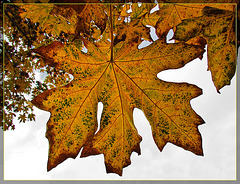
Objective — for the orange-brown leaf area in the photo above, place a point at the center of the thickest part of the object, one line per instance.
(113, 70)
(217, 26)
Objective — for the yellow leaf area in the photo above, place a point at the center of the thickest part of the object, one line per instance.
(217, 26)
(133, 15)
(170, 15)
(48, 20)
(122, 77)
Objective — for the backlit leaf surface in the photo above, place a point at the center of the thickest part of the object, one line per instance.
(48, 19)
(122, 78)
(113, 70)
(170, 15)
(217, 26)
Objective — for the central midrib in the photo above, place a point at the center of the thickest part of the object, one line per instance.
(111, 24)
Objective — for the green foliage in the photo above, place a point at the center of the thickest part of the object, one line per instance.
(21, 35)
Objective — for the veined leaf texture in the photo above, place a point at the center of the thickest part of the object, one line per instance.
(114, 71)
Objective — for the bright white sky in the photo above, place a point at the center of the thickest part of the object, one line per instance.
(26, 148)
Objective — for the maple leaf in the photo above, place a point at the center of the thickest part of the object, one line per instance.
(171, 14)
(217, 26)
(122, 77)
(128, 25)
(51, 20)
(72, 19)
(92, 15)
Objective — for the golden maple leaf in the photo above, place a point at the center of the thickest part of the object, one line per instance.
(172, 14)
(217, 26)
(122, 77)
(71, 19)
(47, 19)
